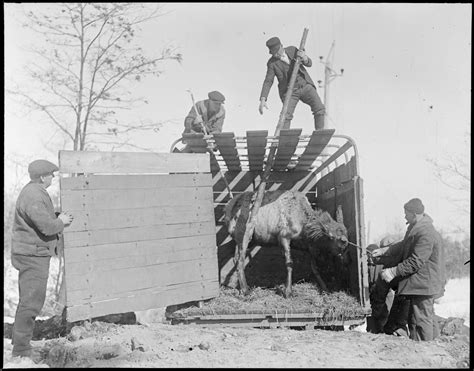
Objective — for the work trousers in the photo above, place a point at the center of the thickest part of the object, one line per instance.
(422, 323)
(307, 94)
(389, 310)
(33, 272)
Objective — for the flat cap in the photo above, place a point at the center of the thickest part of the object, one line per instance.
(41, 167)
(273, 44)
(216, 96)
(414, 206)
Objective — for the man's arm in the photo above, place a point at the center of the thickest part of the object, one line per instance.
(268, 82)
(37, 212)
(420, 255)
(192, 122)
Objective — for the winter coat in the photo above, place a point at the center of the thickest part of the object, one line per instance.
(212, 123)
(276, 67)
(421, 260)
(35, 225)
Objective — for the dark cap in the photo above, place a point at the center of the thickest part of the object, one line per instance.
(216, 96)
(273, 45)
(414, 206)
(40, 168)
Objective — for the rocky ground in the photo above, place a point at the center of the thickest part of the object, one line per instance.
(102, 344)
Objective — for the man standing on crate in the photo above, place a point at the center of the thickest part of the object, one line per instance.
(34, 241)
(206, 116)
(281, 65)
(420, 271)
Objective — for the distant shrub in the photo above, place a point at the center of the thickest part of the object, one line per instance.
(457, 253)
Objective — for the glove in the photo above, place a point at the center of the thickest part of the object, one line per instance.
(388, 274)
(263, 103)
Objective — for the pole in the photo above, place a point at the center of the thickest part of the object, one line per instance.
(250, 225)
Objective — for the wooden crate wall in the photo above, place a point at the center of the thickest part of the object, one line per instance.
(143, 234)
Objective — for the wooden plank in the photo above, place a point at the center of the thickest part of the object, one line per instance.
(131, 249)
(256, 146)
(136, 181)
(227, 147)
(318, 141)
(153, 232)
(114, 199)
(90, 220)
(161, 256)
(132, 162)
(100, 284)
(153, 298)
(287, 142)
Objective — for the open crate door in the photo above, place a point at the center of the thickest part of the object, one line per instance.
(143, 234)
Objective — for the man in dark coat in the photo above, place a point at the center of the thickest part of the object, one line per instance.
(420, 271)
(34, 241)
(281, 65)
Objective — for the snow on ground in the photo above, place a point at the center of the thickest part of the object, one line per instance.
(456, 300)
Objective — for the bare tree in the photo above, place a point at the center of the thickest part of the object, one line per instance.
(89, 57)
(454, 171)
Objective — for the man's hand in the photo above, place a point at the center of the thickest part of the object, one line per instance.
(388, 274)
(66, 218)
(263, 103)
(302, 55)
(377, 253)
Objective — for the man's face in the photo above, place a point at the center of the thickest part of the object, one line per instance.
(47, 180)
(214, 106)
(410, 217)
(279, 52)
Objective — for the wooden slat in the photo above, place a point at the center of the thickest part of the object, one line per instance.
(158, 256)
(152, 298)
(153, 232)
(134, 248)
(318, 141)
(136, 181)
(107, 284)
(227, 147)
(132, 162)
(256, 146)
(325, 183)
(90, 220)
(287, 142)
(100, 199)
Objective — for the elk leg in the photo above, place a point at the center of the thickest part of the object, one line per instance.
(315, 270)
(285, 243)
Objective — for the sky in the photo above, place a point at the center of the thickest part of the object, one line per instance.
(404, 96)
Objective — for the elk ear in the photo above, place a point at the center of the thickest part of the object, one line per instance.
(339, 215)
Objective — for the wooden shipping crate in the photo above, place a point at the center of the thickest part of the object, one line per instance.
(143, 234)
(323, 166)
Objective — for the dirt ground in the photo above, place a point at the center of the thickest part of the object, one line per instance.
(100, 344)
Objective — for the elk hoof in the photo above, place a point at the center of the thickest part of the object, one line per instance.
(287, 293)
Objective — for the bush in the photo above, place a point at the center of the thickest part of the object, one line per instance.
(457, 253)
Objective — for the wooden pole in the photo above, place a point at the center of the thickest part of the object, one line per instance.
(250, 226)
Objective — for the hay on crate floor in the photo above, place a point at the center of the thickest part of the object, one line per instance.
(306, 298)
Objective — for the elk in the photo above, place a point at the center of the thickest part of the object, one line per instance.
(286, 216)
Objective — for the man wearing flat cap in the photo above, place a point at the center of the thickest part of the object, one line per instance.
(210, 114)
(419, 270)
(281, 65)
(34, 241)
